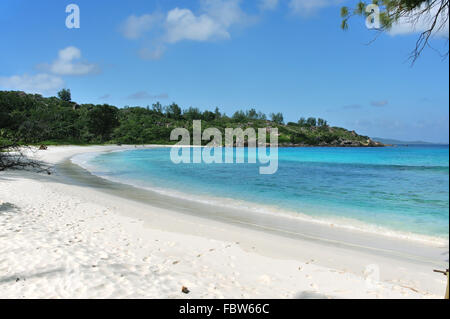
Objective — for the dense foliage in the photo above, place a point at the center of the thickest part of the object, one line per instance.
(33, 119)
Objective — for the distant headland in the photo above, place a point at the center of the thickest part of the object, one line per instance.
(399, 142)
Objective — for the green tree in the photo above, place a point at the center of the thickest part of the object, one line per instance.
(434, 13)
(252, 114)
(208, 116)
(302, 121)
(102, 120)
(157, 107)
(217, 113)
(311, 121)
(173, 111)
(262, 116)
(65, 95)
(277, 118)
(239, 116)
(321, 122)
(192, 113)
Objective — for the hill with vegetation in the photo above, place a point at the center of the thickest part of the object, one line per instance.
(34, 119)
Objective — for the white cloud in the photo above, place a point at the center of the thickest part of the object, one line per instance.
(135, 27)
(268, 4)
(213, 22)
(65, 64)
(308, 7)
(38, 83)
(225, 12)
(50, 77)
(152, 54)
(407, 25)
(182, 24)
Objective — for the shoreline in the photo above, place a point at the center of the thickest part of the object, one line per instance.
(252, 262)
(285, 225)
(346, 224)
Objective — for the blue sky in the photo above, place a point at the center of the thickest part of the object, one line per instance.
(287, 55)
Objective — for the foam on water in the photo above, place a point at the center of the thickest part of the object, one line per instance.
(401, 192)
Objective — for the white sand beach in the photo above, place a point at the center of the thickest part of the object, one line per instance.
(65, 239)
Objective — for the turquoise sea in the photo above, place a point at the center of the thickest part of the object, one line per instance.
(403, 189)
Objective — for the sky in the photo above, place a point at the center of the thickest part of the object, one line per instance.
(286, 56)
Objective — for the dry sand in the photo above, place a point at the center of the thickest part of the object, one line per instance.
(60, 239)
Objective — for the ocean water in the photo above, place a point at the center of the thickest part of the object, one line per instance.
(401, 189)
